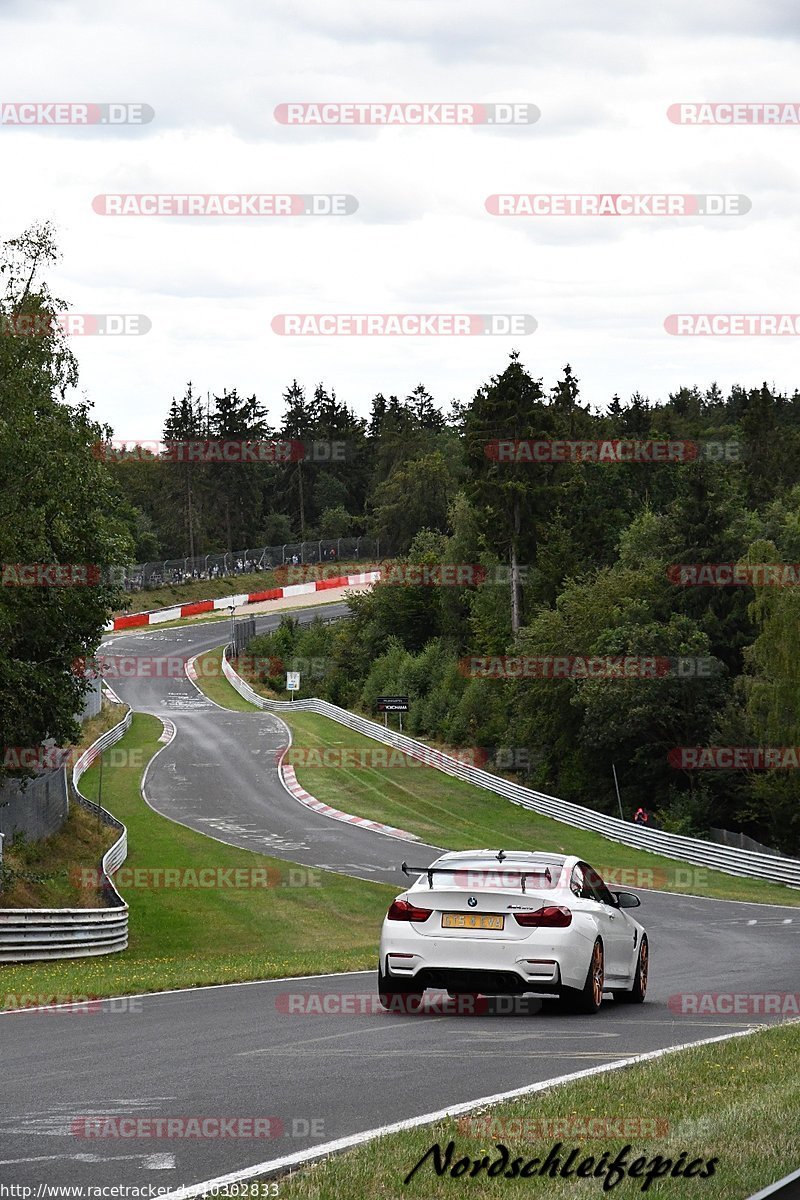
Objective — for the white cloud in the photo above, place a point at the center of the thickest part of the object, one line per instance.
(603, 77)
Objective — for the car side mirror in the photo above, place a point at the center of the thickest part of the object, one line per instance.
(626, 899)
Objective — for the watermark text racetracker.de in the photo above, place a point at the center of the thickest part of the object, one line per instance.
(611, 450)
(75, 324)
(195, 1128)
(55, 758)
(27, 113)
(415, 112)
(220, 450)
(740, 1004)
(733, 324)
(388, 758)
(200, 878)
(50, 575)
(575, 1125)
(403, 324)
(224, 204)
(430, 1004)
(734, 758)
(588, 666)
(734, 112)
(68, 1004)
(731, 574)
(615, 204)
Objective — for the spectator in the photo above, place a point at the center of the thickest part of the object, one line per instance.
(641, 817)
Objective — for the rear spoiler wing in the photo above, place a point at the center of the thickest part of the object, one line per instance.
(431, 871)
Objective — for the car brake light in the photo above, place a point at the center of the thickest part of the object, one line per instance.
(401, 910)
(555, 916)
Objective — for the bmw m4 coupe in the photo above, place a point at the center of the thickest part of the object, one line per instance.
(496, 923)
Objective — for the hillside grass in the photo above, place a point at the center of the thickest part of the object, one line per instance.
(448, 812)
(281, 921)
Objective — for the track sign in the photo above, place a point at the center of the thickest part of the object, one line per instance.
(392, 703)
(293, 681)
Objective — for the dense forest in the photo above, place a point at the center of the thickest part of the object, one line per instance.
(578, 558)
(345, 476)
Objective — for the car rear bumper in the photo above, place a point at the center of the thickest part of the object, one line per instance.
(473, 965)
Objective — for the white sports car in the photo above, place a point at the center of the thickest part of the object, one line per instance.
(497, 923)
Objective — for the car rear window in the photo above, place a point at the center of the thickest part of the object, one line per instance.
(539, 878)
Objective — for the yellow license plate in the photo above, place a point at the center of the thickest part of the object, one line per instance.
(472, 921)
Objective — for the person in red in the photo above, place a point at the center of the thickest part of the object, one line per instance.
(641, 816)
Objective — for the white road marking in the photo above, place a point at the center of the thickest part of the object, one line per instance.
(56, 1121)
(447, 1053)
(150, 1162)
(275, 1165)
(160, 1162)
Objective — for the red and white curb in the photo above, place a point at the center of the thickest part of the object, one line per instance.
(290, 783)
(169, 731)
(160, 615)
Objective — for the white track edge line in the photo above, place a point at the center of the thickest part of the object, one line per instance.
(273, 1166)
(202, 987)
(234, 845)
(343, 818)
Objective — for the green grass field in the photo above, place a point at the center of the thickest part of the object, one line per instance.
(185, 936)
(216, 686)
(448, 812)
(46, 874)
(731, 1102)
(42, 874)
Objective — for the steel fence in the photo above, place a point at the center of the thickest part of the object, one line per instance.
(247, 561)
(33, 934)
(35, 808)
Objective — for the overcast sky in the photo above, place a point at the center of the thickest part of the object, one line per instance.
(600, 288)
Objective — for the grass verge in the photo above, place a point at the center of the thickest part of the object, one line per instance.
(384, 786)
(183, 936)
(45, 874)
(42, 874)
(211, 681)
(457, 815)
(730, 1102)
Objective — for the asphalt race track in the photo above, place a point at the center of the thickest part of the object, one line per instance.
(219, 774)
(245, 1050)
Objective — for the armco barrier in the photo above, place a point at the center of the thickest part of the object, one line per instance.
(197, 607)
(746, 863)
(30, 934)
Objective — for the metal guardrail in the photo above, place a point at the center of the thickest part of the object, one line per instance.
(32, 934)
(745, 863)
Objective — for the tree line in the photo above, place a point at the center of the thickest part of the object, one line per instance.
(577, 558)
(343, 476)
